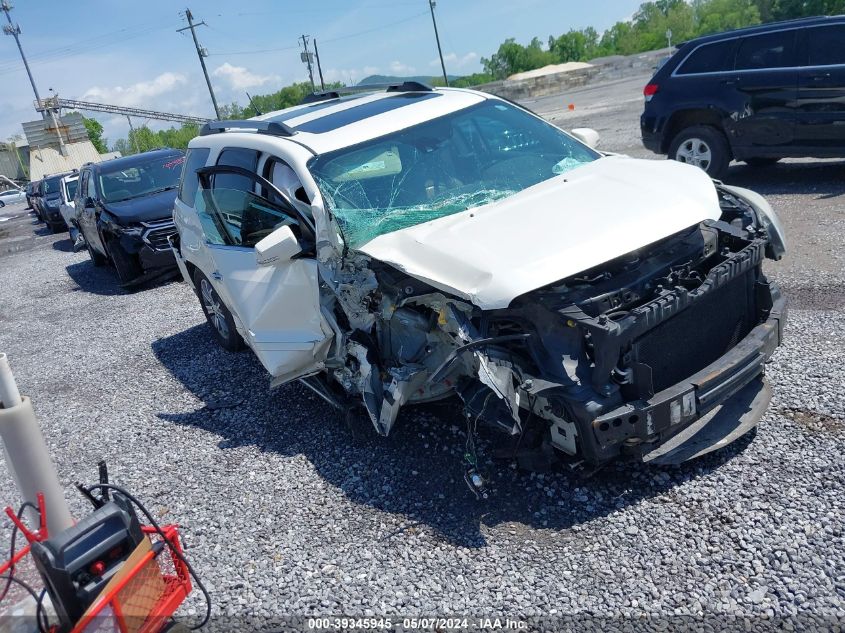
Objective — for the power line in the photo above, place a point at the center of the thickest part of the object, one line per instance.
(90, 44)
(201, 53)
(327, 41)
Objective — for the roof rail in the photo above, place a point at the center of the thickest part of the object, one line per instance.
(273, 128)
(336, 93)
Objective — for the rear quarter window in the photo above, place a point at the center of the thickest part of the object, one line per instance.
(709, 58)
(189, 183)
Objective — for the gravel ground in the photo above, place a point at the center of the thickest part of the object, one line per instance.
(289, 511)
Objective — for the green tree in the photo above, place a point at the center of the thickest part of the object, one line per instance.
(95, 134)
(575, 46)
(713, 16)
(515, 58)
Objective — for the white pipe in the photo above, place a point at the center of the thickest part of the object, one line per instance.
(9, 394)
(27, 456)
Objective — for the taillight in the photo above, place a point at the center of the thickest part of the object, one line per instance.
(650, 90)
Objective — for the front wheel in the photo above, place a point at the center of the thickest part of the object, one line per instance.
(217, 314)
(702, 146)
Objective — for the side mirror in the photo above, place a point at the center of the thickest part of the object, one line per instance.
(586, 135)
(277, 247)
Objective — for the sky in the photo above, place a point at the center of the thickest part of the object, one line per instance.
(130, 53)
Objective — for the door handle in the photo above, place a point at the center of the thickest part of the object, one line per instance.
(216, 275)
(730, 82)
(821, 77)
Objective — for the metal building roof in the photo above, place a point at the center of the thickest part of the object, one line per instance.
(44, 161)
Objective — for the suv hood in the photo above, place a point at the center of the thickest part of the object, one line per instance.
(143, 209)
(602, 210)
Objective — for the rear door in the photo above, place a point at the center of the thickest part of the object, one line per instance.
(820, 121)
(765, 80)
(278, 306)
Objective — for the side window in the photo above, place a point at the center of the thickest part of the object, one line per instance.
(826, 45)
(83, 177)
(230, 212)
(188, 183)
(709, 58)
(770, 50)
(236, 157)
(90, 187)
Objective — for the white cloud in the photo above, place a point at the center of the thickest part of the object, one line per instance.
(138, 94)
(240, 78)
(452, 61)
(398, 68)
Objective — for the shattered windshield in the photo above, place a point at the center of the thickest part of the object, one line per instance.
(441, 167)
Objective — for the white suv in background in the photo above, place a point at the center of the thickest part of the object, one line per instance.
(414, 244)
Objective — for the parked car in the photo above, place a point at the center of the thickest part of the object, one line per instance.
(12, 196)
(124, 211)
(756, 95)
(28, 192)
(410, 245)
(50, 202)
(35, 198)
(68, 210)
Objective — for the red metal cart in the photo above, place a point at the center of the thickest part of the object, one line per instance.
(143, 597)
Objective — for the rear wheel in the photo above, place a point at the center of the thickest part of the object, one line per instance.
(761, 161)
(702, 146)
(219, 318)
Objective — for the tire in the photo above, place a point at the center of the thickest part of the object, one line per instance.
(57, 228)
(761, 161)
(703, 146)
(96, 259)
(217, 314)
(127, 267)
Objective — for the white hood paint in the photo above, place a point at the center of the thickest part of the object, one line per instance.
(560, 227)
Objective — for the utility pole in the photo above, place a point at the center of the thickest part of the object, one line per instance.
(319, 68)
(15, 30)
(431, 5)
(201, 53)
(306, 57)
(133, 135)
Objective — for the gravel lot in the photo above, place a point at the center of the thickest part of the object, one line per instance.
(289, 511)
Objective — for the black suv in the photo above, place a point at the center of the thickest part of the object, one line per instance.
(124, 208)
(757, 95)
(49, 202)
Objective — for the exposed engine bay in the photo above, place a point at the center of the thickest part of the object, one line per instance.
(612, 361)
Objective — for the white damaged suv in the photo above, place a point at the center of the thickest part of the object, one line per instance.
(413, 244)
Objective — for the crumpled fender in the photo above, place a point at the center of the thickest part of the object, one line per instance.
(768, 218)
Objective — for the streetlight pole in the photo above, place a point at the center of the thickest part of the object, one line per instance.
(431, 4)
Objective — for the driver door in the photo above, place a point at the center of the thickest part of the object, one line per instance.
(277, 305)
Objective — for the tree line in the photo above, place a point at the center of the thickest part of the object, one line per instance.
(645, 31)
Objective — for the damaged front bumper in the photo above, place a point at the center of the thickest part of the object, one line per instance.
(701, 414)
